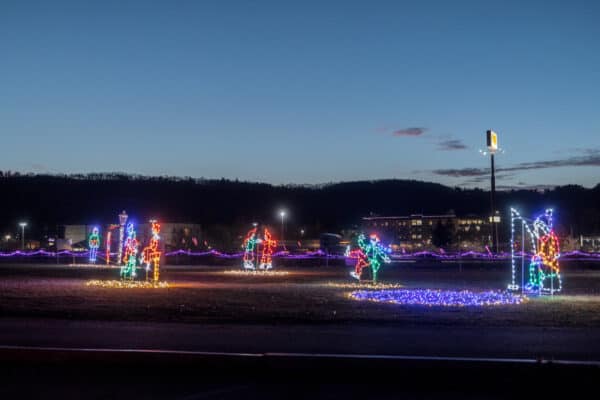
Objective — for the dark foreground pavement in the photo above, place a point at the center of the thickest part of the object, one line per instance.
(78, 374)
(114, 360)
(580, 344)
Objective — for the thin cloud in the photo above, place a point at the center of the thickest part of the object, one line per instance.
(591, 158)
(452, 144)
(461, 172)
(409, 132)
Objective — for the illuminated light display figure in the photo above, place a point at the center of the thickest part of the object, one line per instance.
(361, 260)
(268, 244)
(544, 269)
(151, 253)
(249, 246)
(371, 254)
(130, 256)
(108, 241)
(122, 221)
(94, 244)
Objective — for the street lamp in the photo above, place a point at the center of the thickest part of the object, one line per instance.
(22, 225)
(282, 214)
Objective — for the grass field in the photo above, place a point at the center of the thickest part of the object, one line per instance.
(309, 295)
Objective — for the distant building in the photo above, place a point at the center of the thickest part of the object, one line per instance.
(589, 243)
(173, 235)
(416, 231)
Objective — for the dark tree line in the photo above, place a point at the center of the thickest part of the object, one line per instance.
(46, 201)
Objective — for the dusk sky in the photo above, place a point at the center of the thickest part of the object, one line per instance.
(303, 91)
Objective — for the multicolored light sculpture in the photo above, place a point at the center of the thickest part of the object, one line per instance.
(94, 244)
(151, 253)
(108, 241)
(249, 247)
(268, 246)
(370, 253)
(544, 252)
(128, 271)
(122, 221)
(445, 298)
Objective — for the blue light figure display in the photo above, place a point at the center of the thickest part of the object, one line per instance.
(94, 244)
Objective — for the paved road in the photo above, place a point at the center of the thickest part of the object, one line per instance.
(35, 362)
(442, 341)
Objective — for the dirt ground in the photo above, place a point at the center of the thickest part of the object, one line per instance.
(309, 295)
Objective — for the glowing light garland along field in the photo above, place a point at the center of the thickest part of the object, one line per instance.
(444, 298)
(365, 285)
(572, 255)
(251, 272)
(123, 284)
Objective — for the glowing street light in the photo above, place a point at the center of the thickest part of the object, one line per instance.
(22, 225)
(282, 214)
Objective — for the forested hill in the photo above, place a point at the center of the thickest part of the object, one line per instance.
(47, 200)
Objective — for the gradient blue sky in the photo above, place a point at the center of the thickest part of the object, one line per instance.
(304, 91)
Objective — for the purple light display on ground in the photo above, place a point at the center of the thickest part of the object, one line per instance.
(442, 298)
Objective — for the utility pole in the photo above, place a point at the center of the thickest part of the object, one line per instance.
(492, 145)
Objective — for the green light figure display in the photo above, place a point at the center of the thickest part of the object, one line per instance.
(249, 245)
(130, 256)
(94, 244)
(375, 253)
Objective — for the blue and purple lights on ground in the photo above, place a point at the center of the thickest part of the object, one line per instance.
(443, 298)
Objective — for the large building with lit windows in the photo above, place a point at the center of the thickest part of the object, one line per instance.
(416, 231)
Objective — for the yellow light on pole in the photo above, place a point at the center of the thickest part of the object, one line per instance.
(492, 141)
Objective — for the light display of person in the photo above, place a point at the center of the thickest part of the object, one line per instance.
(249, 247)
(130, 254)
(544, 251)
(268, 246)
(151, 253)
(94, 244)
(370, 253)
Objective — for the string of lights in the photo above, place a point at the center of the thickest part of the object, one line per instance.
(250, 242)
(94, 244)
(443, 298)
(543, 254)
(127, 284)
(268, 246)
(130, 256)
(253, 272)
(151, 253)
(573, 255)
(370, 253)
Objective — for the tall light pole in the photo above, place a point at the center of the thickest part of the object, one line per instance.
(492, 145)
(22, 225)
(282, 214)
